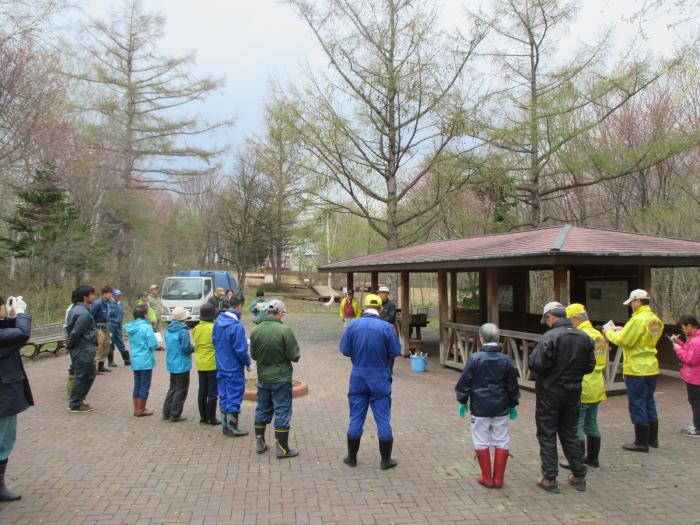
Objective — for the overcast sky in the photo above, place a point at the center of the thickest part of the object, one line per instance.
(251, 41)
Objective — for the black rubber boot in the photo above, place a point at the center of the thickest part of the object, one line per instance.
(232, 424)
(654, 434)
(260, 445)
(583, 451)
(353, 447)
(202, 406)
(385, 447)
(641, 439)
(282, 441)
(211, 412)
(593, 447)
(5, 493)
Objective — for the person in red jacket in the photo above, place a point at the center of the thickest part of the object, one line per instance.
(689, 354)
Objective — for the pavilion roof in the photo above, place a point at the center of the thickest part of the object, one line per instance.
(572, 245)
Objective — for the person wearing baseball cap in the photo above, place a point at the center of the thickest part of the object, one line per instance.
(560, 360)
(178, 360)
(640, 368)
(116, 318)
(592, 388)
(388, 312)
(274, 348)
(370, 343)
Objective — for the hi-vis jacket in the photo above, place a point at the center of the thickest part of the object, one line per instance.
(355, 307)
(638, 341)
(593, 385)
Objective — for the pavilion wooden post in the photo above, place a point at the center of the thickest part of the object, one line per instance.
(442, 313)
(561, 284)
(453, 297)
(405, 314)
(350, 281)
(492, 296)
(374, 276)
(645, 278)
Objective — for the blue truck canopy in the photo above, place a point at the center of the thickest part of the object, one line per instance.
(221, 279)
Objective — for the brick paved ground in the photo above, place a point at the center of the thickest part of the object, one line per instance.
(110, 467)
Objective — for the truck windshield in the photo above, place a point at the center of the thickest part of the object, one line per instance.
(182, 288)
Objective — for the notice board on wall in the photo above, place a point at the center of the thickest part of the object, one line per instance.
(604, 300)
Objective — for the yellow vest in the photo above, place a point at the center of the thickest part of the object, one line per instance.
(204, 346)
(593, 386)
(638, 341)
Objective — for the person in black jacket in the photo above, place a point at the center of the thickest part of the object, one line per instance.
(81, 342)
(560, 359)
(490, 381)
(15, 394)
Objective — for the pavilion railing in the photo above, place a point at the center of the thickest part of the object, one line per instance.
(463, 340)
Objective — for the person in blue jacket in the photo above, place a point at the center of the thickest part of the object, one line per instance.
(371, 344)
(116, 318)
(178, 358)
(231, 351)
(143, 344)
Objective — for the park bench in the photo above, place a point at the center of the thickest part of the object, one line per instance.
(45, 335)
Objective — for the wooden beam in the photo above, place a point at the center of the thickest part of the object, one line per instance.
(374, 276)
(453, 297)
(561, 284)
(442, 313)
(350, 281)
(492, 296)
(405, 313)
(645, 278)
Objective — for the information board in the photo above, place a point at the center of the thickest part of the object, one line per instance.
(604, 300)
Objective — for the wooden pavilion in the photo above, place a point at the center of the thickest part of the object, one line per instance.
(591, 266)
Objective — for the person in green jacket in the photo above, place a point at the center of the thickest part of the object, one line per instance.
(259, 306)
(274, 348)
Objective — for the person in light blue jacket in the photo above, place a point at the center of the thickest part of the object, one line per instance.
(142, 344)
(178, 358)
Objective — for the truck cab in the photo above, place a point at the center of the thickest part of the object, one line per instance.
(192, 289)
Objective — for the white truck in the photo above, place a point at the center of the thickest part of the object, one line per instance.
(191, 289)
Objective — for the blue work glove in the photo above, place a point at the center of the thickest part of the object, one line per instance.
(513, 413)
(462, 410)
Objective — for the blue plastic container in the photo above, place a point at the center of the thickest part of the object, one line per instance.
(418, 363)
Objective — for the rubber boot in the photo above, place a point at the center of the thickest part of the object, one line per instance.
(260, 445)
(641, 439)
(593, 447)
(500, 460)
(654, 434)
(353, 446)
(69, 386)
(282, 442)
(202, 405)
(232, 424)
(483, 456)
(385, 447)
(143, 411)
(101, 367)
(5, 493)
(225, 428)
(136, 406)
(582, 444)
(211, 412)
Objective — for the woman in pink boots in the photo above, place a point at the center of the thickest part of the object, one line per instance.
(489, 383)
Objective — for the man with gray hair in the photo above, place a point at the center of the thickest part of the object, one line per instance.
(560, 359)
(274, 348)
(490, 382)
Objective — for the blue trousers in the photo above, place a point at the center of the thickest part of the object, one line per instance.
(231, 386)
(274, 398)
(640, 397)
(142, 383)
(366, 390)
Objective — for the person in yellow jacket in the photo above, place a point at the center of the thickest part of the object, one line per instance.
(640, 367)
(592, 387)
(349, 308)
(205, 360)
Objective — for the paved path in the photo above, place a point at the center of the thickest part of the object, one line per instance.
(110, 467)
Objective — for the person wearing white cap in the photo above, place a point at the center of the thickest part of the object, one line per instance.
(640, 368)
(560, 359)
(156, 303)
(274, 348)
(388, 312)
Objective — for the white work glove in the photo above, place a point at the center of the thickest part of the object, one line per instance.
(20, 306)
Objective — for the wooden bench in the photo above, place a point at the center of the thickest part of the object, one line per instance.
(44, 335)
